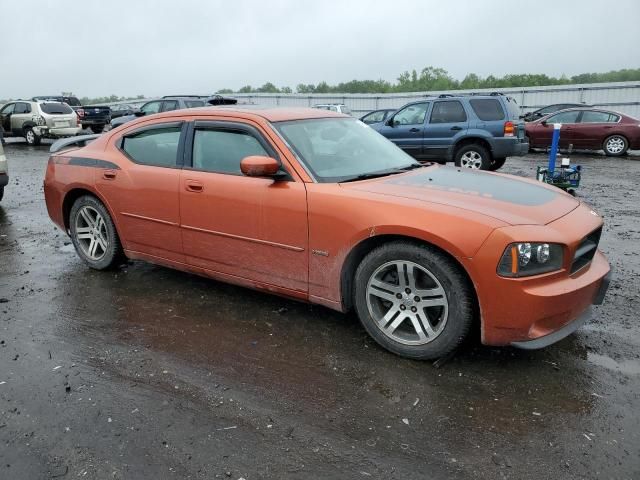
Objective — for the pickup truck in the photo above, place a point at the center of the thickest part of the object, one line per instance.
(94, 117)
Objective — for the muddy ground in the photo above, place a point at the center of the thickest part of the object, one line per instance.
(152, 373)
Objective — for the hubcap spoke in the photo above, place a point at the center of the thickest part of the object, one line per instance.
(91, 233)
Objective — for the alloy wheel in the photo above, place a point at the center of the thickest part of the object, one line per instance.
(407, 302)
(91, 233)
(471, 159)
(31, 137)
(615, 145)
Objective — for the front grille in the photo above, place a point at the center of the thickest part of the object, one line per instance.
(586, 250)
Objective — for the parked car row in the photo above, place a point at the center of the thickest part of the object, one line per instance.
(94, 117)
(38, 119)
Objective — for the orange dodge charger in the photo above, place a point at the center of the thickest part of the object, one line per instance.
(317, 206)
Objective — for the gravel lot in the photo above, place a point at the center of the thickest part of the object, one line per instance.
(152, 373)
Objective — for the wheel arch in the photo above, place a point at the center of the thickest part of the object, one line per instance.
(78, 191)
(471, 140)
(29, 124)
(362, 248)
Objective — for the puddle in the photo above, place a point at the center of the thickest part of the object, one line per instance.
(629, 367)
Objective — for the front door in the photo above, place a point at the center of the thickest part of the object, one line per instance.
(246, 227)
(447, 121)
(569, 121)
(5, 117)
(145, 195)
(406, 128)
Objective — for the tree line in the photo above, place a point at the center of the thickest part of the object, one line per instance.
(433, 78)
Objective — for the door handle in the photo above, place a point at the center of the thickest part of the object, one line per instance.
(192, 186)
(414, 130)
(109, 174)
(456, 128)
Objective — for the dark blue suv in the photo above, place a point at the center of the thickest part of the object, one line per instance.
(474, 131)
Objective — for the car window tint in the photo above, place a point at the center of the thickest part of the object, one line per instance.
(448, 112)
(158, 146)
(411, 115)
(193, 103)
(222, 150)
(169, 105)
(564, 117)
(374, 117)
(22, 108)
(7, 109)
(54, 108)
(598, 117)
(151, 107)
(487, 109)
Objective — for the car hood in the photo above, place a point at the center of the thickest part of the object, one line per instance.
(510, 199)
(116, 122)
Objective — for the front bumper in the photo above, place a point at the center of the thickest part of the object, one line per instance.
(57, 132)
(570, 327)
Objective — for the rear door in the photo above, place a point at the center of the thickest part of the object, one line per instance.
(245, 227)
(593, 128)
(447, 121)
(407, 128)
(145, 194)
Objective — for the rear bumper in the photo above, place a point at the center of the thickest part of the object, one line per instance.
(57, 132)
(509, 147)
(95, 121)
(570, 327)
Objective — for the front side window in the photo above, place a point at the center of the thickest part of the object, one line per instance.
(342, 149)
(221, 151)
(598, 117)
(7, 109)
(411, 115)
(487, 109)
(151, 107)
(564, 117)
(448, 112)
(156, 146)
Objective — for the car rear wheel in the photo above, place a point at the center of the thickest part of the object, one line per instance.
(497, 163)
(31, 137)
(97, 128)
(93, 233)
(413, 300)
(1, 193)
(473, 156)
(615, 145)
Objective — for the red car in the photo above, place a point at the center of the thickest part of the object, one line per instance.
(587, 128)
(317, 206)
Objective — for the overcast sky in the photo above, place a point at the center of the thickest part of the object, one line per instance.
(132, 47)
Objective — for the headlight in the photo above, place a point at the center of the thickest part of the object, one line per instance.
(530, 258)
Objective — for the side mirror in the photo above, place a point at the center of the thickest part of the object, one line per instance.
(139, 113)
(389, 123)
(259, 166)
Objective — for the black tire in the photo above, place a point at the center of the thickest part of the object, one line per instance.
(481, 156)
(113, 254)
(619, 141)
(458, 291)
(97, 128)
(1, 193)
(31, 137)
(497, 163)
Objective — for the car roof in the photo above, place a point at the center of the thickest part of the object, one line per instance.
(271, 114)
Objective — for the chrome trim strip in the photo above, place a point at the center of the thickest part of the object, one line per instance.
(247, 239)
(140, 217)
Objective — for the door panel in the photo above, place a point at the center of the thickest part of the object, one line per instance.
(447, 120)
(255, 228)
(408, 128)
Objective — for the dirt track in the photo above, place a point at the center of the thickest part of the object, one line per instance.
(152, 373)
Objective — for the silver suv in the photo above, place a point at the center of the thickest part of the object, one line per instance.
(37, 120)
(4, 171)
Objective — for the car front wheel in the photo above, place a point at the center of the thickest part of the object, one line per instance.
(413, 300)
(473, 156)
(615, 145)
(93, 233)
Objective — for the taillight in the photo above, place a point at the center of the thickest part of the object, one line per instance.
(80, 112)
(509, 129)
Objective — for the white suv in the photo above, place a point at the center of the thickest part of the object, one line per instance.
(334, 107)
(4, 171)
(37, 120)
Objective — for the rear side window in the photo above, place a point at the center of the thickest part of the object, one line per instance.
(22, 108)
(54, 108)
(487, 109)
(193, 103)
(448, 112)
(158, 146)
(222, 150)
(169, 105)
(598, 117)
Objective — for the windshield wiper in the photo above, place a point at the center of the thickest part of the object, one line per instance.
(382, 173)
(411, 166)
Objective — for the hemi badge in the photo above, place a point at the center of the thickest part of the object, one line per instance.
(322, 253)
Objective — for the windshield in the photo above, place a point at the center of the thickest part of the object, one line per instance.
(343, 149)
